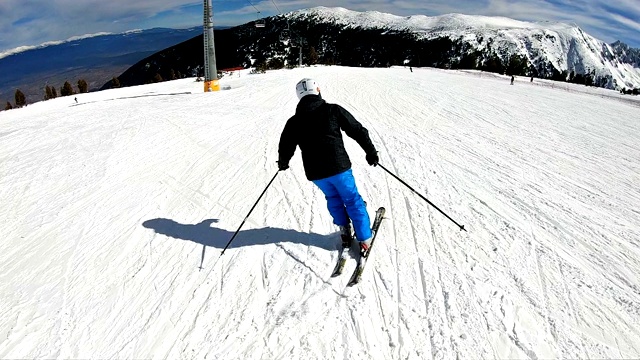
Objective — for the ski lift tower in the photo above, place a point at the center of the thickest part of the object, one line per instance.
(210, 71)
(288, 34)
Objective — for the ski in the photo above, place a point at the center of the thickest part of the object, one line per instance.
(342, 256)
(342, 260)
(362, 259)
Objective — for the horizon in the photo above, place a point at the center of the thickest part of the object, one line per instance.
(26, 30)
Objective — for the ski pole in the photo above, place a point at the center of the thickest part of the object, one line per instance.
(245, 218)
(423, 198)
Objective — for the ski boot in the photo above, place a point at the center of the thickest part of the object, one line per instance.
(346, 234)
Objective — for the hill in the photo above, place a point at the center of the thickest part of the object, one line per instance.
(111, 206)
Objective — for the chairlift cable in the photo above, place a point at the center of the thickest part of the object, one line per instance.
(253, 6)
(258, 23)
(274, 4)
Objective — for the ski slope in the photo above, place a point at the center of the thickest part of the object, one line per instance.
(110, 207)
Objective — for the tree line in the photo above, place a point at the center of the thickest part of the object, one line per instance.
(50, 92)
(324, 44)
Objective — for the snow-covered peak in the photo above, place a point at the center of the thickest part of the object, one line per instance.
(566, 47)
(454, 21)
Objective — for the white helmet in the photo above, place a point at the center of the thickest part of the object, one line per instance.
(307, 86)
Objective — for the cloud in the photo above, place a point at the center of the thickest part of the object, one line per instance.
(627, 22)
(61, 19)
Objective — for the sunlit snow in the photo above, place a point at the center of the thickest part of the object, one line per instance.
(110, 206)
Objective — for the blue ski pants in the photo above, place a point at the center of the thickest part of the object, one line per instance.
(343, 199)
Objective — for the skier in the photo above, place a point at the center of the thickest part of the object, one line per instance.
(512, 78)
(316, 127)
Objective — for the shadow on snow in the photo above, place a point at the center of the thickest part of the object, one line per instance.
(203, 233)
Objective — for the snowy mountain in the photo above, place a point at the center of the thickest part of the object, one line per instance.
(563, 47)
(627, 54)
(373, 39)
(110, 206)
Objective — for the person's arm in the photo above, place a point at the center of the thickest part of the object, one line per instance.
(354, 130)
(287, 146)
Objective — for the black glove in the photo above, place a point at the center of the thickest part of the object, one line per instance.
(282, 165)
(372, 159)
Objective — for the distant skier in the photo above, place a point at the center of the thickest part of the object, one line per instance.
(76, 99)
(512, 78)
(531, 79)
(316, 127)
(410, 68)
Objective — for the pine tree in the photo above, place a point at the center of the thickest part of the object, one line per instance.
(172, 74)
(54, 92)
(8, 106)
(115, 82)
(47, 93)
(469, 61)
(313, 56)
(328, 58)
(260, 66)
(83, 87)
(275, 64)
(493, 64)
(517, 65)
(20, 99)
(157, 78)
(67, 89)
(589, 78)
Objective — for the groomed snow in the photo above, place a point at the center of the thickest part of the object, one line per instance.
(110, 205)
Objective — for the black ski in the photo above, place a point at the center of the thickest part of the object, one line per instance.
(342, 260)
(362, 259)
(342, 256)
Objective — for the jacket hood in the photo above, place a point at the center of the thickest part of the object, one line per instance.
(309, 103)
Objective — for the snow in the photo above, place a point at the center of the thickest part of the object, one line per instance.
(423, 23)
(565, 46)
(112, 204)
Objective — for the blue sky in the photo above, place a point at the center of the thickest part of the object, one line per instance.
(32, 22)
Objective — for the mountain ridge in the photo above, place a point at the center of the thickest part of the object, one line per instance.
(552, 50)
(565, 46)
(95, 58)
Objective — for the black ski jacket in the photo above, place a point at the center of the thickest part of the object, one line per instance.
(316, 128)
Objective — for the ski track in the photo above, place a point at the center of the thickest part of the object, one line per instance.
(542, 178)
(399, 351)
